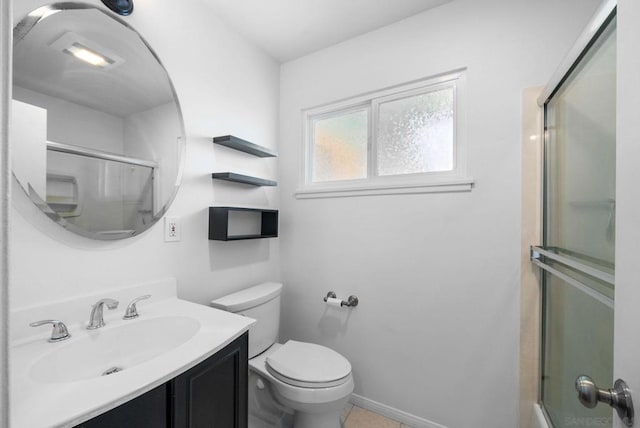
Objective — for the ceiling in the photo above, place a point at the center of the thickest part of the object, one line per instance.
(289, 29)
(137, 83)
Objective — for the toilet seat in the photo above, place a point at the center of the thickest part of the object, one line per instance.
(286, 392)
(308, 365)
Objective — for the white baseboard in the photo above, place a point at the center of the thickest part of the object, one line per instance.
(392, 413)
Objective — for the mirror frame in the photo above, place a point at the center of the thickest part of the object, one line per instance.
(21, 29)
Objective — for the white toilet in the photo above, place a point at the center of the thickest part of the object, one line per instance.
(310, 381)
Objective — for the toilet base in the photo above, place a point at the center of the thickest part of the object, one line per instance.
(256, 422)
(268, 409)
(311, 420)
(326, 415)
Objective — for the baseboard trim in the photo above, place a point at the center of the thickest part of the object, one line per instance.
(392, 413)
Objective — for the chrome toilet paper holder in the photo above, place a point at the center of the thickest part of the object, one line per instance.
(351, 301)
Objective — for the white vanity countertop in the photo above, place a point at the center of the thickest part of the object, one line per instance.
(37, 404)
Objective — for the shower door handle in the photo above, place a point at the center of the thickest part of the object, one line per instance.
(619, 397)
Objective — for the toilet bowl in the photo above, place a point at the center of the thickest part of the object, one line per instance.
(316, 404)
(309, 381)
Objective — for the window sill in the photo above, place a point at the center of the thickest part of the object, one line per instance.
(342, 191)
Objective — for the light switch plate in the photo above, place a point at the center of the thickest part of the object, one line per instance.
(171, 229)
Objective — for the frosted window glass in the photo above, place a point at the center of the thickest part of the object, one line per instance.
(340, 147)
(415, 134)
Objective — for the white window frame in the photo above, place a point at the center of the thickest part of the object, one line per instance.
(455, 180)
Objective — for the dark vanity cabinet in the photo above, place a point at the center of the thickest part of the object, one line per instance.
(149, 410)
(212, 394)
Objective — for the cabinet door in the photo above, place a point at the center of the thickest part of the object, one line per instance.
(214, 393)
(149, 410)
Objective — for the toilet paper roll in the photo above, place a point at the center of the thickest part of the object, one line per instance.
(332, 301)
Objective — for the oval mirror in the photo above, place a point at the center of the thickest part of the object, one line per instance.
(97, 128)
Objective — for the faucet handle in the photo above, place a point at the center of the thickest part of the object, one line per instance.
(132, 310)
(59, 331)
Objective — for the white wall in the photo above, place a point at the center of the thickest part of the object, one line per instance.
(437, 330)
(225, 86)
(71, 123)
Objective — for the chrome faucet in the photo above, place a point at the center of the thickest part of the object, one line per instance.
(59, 331)
(96, 319)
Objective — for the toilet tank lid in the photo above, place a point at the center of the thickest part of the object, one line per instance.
(249, 297)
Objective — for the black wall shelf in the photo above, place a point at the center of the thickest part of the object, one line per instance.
(245, 179)
(244, 146)
(219, 224)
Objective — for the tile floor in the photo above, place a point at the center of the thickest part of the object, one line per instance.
(357, 417)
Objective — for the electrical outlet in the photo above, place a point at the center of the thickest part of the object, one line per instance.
(171, 229)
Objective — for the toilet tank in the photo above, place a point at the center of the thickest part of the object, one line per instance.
(262, 303)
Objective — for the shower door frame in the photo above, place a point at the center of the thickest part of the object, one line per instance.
(627, 236)
(627, 312)
(626, 350)
(606, 13)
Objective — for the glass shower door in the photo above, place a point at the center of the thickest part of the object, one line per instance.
(578, 235)
(89, 191)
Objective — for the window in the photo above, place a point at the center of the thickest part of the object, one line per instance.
(340, 145)
(404, 139)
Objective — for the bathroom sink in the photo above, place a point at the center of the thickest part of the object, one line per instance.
(108, 351)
